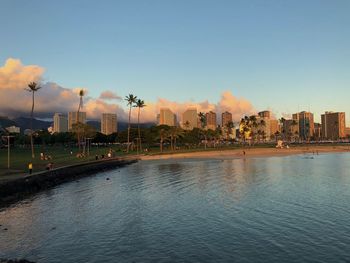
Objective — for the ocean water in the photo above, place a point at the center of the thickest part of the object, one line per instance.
(276, 209)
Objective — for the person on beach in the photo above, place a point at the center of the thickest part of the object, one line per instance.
(30, 168)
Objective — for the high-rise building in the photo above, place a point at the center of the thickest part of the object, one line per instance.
(109, 123)
(261, 129)
(73, 118)
(274, 127)
(333, 125)
(226, 117)
(190, 119)
(290, 129)
(60, 123)
(167, 117)
(306, 124)
(211, 120)
(265, 114)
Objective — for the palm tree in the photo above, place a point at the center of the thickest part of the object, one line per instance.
(229, 126)
(294, 124)
(282, 122)
(203, 121)
(32, 87)
(81, 95)
(176, 132)
(139, 104)
(131, 99)
(163, 134)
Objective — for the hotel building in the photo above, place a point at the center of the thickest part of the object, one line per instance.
(109, 123)
(60, 123)
(190, 119)
(73, 118)
(333, 125)
(306, 124)
(211, 120)
(167, 117)
(226, 117)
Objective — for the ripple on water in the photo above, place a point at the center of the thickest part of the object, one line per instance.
(276, 209)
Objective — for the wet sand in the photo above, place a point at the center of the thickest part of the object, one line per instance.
(249, 152)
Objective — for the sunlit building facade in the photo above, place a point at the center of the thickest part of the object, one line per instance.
(333, 125)
(109, 123)
(190, 119)
(73, 118)
(306, 124)
(167, 117)
(60, 123)
(226, 118)
(211, 120)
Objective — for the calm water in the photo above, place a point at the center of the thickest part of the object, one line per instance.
(288, 209)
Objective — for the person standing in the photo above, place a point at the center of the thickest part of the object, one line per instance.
(30, 168)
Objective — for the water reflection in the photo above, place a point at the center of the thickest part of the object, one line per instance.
(275, 209)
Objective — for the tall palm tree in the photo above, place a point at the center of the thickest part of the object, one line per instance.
(203, 121)
(139, 104)
(32, 87)
(80, 106)
(131, 99)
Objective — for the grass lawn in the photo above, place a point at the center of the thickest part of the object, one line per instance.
(60, 156)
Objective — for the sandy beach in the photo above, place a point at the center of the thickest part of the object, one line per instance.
(249, 152)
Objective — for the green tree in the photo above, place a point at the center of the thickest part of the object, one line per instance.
(131, 100)
(32, 87)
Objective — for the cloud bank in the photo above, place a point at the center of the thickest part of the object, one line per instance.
(51, 98)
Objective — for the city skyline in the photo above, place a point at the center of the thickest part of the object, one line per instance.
(165, 56)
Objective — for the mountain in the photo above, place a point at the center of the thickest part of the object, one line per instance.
(6, 122)
(122, 126)
(24, 123)
(95, 124)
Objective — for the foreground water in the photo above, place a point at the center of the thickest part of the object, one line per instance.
(290, 209)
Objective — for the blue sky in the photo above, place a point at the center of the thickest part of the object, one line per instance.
(282, 55)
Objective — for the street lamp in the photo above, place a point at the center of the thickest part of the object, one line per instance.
(8, 149)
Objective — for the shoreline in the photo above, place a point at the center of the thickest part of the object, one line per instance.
(249, 153)
(17, 189)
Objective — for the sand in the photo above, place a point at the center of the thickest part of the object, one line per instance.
(249, 152)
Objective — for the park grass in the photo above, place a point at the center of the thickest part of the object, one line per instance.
(60, 156)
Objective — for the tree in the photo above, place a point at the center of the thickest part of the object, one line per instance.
(163, 135)
(32, 87)
(131, 99)
(139, 104)
(229, 127)
(203, 121)
(83, 130)
(81, 95)
(175, 133)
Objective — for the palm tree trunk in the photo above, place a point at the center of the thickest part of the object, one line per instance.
(31, 128)
(78, 127)
(138, 127)
(127, 149)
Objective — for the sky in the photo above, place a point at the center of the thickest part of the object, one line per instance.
(285, 56)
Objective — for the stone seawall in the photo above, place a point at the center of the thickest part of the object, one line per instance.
(18, 189)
